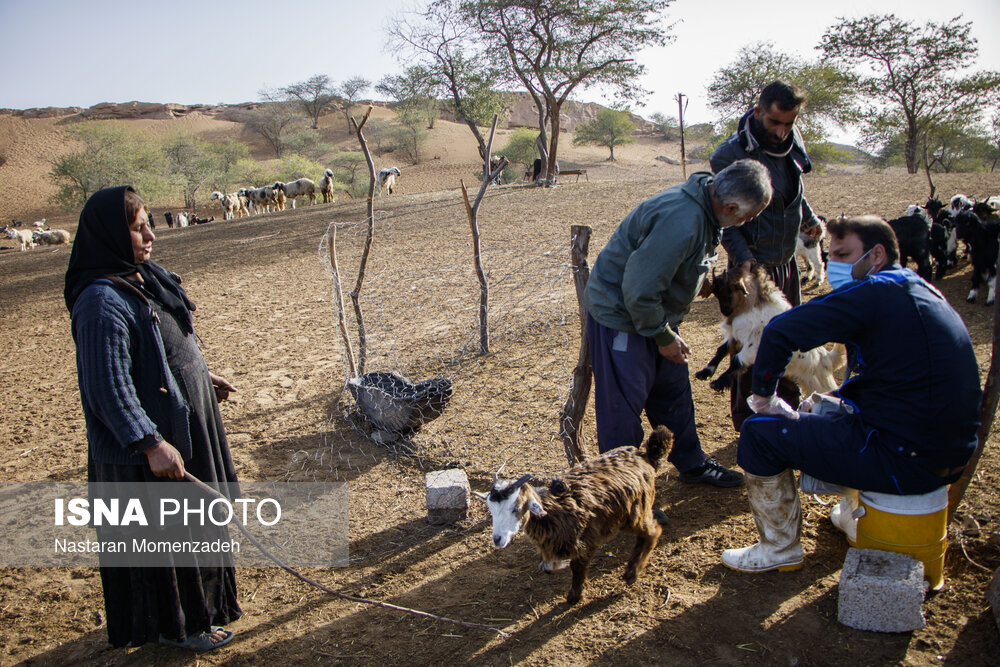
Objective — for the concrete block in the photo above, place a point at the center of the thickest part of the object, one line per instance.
(881, 591)
(447, 495)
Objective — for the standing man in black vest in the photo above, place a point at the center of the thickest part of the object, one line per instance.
(767, 133)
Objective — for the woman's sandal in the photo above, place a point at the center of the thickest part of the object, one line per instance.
(202, 641)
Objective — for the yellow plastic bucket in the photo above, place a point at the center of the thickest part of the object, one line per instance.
(916, 525)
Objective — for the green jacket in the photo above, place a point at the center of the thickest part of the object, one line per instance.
(651, 269)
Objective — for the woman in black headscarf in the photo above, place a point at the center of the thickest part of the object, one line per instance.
(151, 407)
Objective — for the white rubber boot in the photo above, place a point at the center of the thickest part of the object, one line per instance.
(774, 502)
(842, 516)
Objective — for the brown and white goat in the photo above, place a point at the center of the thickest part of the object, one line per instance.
(748, 301)
(583, 509)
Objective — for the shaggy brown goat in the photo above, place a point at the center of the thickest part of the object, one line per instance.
(585, 508)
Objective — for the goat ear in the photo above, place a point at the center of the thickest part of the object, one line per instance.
(484, 496)
(535, 508)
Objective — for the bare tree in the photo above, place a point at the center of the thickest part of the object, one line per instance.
(447, 49)
(315, 95)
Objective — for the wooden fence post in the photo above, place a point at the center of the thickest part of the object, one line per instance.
(576, 403)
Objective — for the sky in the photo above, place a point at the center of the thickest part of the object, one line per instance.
(82, 52)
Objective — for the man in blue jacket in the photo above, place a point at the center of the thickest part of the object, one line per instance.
(642, 285)
(910, 404)
(767, 133)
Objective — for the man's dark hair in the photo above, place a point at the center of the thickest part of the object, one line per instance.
(871, 230)
(787, 95)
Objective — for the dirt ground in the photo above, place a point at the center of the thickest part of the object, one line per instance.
(266, 323)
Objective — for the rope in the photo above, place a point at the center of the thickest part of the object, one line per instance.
(378, 603)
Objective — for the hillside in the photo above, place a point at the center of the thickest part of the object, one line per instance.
(31, 139)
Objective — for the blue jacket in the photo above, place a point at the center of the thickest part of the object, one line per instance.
(648, 274)
(130, 398)
(914, 378)
(770, 237)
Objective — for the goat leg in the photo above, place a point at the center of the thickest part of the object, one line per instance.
(709, 370)
(578, 566)
(644, 545)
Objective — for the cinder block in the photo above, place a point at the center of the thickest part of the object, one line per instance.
(881, 591)
(447, 495)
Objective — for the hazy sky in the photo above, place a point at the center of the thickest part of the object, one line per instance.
(81, 52)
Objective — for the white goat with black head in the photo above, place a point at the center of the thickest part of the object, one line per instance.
(583, 509)
(386, 179)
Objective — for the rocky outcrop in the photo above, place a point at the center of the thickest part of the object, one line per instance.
(44, 112)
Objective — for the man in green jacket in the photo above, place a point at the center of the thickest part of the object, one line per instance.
(639, 291)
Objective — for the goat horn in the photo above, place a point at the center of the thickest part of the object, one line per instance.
(520, 482)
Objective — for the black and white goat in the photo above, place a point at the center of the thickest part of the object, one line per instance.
(913, 232)
(748, 301)
(809, 246)
(583, 509)
(980, 228)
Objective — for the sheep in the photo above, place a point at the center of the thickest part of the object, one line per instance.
(326, 187)
(979, 228)
(809, 246)
(40, 224)
(585, 508)
(51, 236)
(748, 301)
(261, 198)
(913, 234)
(230, 203)
(22, 237)
(303, 187)
(386, 179)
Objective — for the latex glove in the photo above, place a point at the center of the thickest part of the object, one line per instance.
(771, 405)
(807, 403)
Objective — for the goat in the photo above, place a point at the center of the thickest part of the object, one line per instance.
(809, 246)
(959, 203)
(913, 234)
(979, 228)
(748, 301)
(583, 509)
(50, 236)
(303, 187)
(386, 179)
(181, 219)
(40, 224)
(22, 236)
(326, 186)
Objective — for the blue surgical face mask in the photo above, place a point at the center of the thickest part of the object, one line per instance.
(839, 273)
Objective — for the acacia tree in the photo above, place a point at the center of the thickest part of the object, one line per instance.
(447, 49)
(553, 48)
(609, 128)
(911, 72)
(272, 121)
(315, 95)
(830, 90)
(413, 91)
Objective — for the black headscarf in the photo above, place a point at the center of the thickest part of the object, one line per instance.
(103, 248)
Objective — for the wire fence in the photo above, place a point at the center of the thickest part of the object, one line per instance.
(426, 393)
